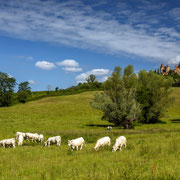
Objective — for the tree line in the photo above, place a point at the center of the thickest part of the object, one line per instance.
(125, 99)
(24, 94)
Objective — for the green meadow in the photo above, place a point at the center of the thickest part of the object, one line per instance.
(153, 150)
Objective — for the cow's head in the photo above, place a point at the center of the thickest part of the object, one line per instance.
(114, 149)
(69, 142)
(45, 144)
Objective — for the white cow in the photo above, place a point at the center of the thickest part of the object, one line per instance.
(102, 142)
(32, 136)
(75, 143)
(8, 143)
(20, 133)
(20, 140)
(41, 138)
(109, 128)
(120, 142)
(53, 140)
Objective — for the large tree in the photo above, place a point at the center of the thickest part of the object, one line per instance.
(117, 102)
(7, 84)
(128, 97)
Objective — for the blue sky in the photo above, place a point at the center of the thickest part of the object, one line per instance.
(59, 43)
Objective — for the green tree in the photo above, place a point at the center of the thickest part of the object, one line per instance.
(153, 95)
(7, 85)
(118, 102)
(24, 91)
(56, 89)
(91, 79)
(24, 86)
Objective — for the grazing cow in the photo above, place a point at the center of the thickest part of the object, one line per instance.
(120, 142)
(102, 142)
(41, 138)
(20, 133)
(8, 143)
(53, 140)
(20, 140)
(32, 136)
(75, 143)
(109, 128)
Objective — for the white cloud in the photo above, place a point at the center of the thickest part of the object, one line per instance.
(26, 57)
(72, 69)
(174, 61)
(32, 82)
(78, 25)
(45, 65)
(97, 72)
(81, 77)
(103, 79)
(175, 13)
(68, 63)
(10, 76)
(30, 58)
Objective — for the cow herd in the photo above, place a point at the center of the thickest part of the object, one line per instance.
(74, 143)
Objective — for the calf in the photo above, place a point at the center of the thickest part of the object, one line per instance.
(75, 143)
(120, 142)
(53, 140)
(102, 142)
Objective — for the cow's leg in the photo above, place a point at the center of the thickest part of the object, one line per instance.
(81, 146)
(77, 148)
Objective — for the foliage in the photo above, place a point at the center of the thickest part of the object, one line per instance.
(154, 95)
(7, 85)
(24, 91)
(56, 89)
(127, 98)
(24, 86)
(176, 78)
(91, 79)
(118, 101)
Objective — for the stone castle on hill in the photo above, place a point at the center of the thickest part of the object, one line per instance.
(165, 70)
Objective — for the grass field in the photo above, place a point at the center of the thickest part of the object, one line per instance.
(153, 151)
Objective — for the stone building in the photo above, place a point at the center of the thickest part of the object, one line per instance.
(166, 69)
(177, 69)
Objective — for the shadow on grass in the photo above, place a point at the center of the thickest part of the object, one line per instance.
(158, 122)
(175, 120)
(100, 125)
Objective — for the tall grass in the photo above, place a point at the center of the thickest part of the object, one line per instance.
(153, 151)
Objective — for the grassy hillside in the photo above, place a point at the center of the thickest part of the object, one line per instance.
(153, 151)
